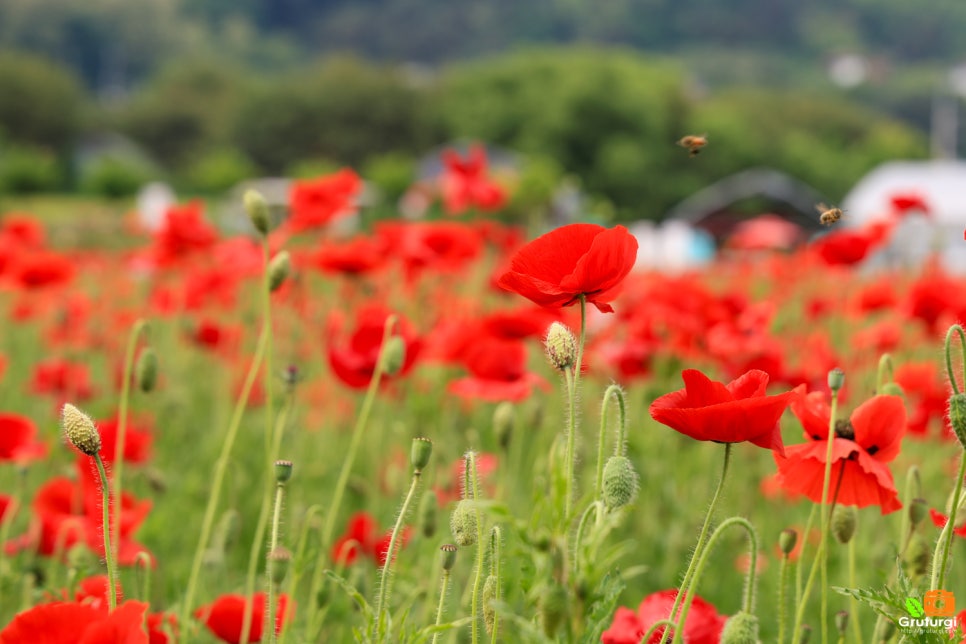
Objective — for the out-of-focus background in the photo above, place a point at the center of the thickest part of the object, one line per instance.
(100, 98)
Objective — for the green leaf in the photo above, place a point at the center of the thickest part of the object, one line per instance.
(602, 611)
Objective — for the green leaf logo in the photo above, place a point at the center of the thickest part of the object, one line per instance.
(914, 606)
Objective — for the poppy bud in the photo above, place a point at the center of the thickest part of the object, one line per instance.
(463, 523)
(283, 471)
(620, 482)
(80, 557)
(449, 555)
(489, 594)
(553, 608)
(257, 209)
(915, 559)
(278, 563)
(787, 540)
(428, 509)
(503, 417)
(836, 378)
(278, 270)
(844, 519)
(957, 416)
(393, 355)
(741, 628)
(561, 347)
(918, 509)
(80, 430)
(419, 455)
(146, 370)
(842, 621)
(892, 389)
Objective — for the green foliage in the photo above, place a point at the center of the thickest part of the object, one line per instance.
(219, 170)
(26, 169)
(392, 173)
(40, 103)
(114, 177)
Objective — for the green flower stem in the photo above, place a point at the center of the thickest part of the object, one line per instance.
(885, 372)
(221, 467)
(299, 559)
(442, 603)
(385, 580)
(656, 625)
(480, 546)
(701, 540)
(573, 386)
(940, 558)
(614, 391)
(949, 357)
(751, 581)
(801, 554)
(254, 555)
(106, 525)
(495, 539)
(118, 469)
(597, 508)
(13, 508)
(273, 544)
(782, 597)
(825, 516)
(910, 493)
(143, 563)
(853, 602)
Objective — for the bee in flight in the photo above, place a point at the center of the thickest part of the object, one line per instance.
(694, 143)
(828, 215)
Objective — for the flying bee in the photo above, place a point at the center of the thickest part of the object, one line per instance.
(828, 215)
(694, 143)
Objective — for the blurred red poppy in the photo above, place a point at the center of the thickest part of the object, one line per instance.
(711, 411)
(498, 371)
(465, 184)
(863, 445)
(940, 520)
(361, 538)
(555, 269)
(18, 442)
(353, 359)
(224, 617)
(703, 624)
(80, 623)
(184, 231)
(317, 202)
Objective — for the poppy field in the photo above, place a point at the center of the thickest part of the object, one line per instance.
(459, 430)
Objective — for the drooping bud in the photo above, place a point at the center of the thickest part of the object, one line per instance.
(741, 628)
(427, 513)
(561, 347)
(503, 420)
(957, 416)
(419, 455)
(463, 523)
(844, 520)
(787, 541)
(80, 430)
(620, 483)
(836, 378)
(918, 509)
(892, 389)
(278, 270)
(146, 370)
(278, 564)
(257, 209)
(915, 559)
(393, 355)
(842, 622)
(490, 592)
(553, 608)
(449, 555)
(283, 471)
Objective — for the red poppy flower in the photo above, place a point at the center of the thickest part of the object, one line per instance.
(95, 591)
(317, 202)
(703, 625)
(82, 623)
(498, 371)
(18, 442)
(357, 256)
(224, 616)
(42, 268)
(711, 411)
(927, 394)
(847, 247)
(908, 202)
(464, 183)
(863, 445)
(361, 538)
(940, 520)
(354, 360)
(23, 228)
(159, 625)
(183, 232)
(137, 442)
(441, 246)
(62, 379)
(555, 269)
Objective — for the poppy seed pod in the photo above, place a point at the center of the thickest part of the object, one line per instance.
(741, 628)
(561, 347)
(146, 370)
(842, 621)
(278, 270)
(80, 430)
(836, 379)
(419, 455)
(918, 509)
(283, 471)
(844, 520)
(278, 564)
(449, 555)
(787, 541)
(463, 524)
(620, 483)
(257, 209)
(957, 417)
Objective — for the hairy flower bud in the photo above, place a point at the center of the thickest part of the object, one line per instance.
(892, 389)
(787, 541)
(503, 419)
(278, 270)
(393, 355)
(620, 483)
(957, 416)
(844, 520)
(918, 509)
(257, 209)
(463, 523)
(146, 370)
(561, 346)
(741, 628)
(80, 430)
(490, 592)
(915, 559)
